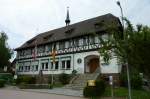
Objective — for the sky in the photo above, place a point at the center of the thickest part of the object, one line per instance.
(23, 19)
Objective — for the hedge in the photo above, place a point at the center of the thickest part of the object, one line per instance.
(2, 83)
(95, 91)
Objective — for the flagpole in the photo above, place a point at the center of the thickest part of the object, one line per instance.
(53, 56)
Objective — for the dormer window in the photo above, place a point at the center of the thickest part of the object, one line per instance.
(47, 37)
(99, 24)
(31, 41)
(68, 31)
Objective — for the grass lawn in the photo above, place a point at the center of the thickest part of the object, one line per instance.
(123, 92)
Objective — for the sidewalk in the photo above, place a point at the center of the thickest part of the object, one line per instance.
(58, 91)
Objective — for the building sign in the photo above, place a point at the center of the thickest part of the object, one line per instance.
(111, 80)
(91, 83)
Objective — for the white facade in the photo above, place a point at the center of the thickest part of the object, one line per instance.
(68, 58)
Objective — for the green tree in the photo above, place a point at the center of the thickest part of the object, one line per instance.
(5, 52)
(130, 46)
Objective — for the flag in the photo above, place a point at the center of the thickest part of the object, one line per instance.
(54, 53)
(34, 52)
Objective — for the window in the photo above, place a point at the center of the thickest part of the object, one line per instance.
(46, 65)
(70, 44)
(42, 66)
(20, 68)
(41, 49)
(49, 48)
(76, 42)
(56, 65)
(61, 45)
(63, 64)
(22, 53)
(84, 41)
(52, 66)
(68, 64)
(92, 39)
(36, 67)
(26, 68)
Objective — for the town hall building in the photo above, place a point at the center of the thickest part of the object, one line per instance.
(76, 48)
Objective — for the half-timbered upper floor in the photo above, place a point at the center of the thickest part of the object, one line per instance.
(78, 37)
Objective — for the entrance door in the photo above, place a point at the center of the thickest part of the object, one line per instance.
(93, 64)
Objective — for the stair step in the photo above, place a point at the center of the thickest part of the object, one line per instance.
(81, 81)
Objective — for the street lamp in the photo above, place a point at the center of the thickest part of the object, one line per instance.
(126, 62)
(118, 3)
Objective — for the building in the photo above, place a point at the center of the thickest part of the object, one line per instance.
(76, 48)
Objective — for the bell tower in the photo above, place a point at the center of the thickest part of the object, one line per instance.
(67, 21)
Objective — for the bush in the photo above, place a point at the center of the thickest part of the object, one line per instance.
(74, 72)
(136, 80)
(95, 91)
(64, 78)
(2, 83)
(7, 77)
(25, 80)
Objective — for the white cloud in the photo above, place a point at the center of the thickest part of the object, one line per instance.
(23, 19)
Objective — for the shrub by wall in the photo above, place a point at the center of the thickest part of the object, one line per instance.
(25, 80)
(136, 80)
(64, 78)
(8, 77)
(95, 91)
(2, 83)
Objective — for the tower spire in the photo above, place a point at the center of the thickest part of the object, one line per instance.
(67, 21)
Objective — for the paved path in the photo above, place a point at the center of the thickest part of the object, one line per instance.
(58, 91)
(14, 94)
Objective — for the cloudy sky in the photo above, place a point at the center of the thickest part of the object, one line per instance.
(23, 19)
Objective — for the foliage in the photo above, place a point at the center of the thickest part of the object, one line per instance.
(50, 79)
(131, 46)
(64, 78)
(95, 91)
(136, 80)
(7, 77)
(5, 52)
(25, 80)
(89, 91)
(74, 72)
(123, 92)
(2, 83)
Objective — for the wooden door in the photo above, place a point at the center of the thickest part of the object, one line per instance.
(93, 64)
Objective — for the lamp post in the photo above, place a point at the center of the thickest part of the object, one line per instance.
(126, 62)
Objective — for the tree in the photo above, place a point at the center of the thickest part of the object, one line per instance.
(5, 52)
(132, 47)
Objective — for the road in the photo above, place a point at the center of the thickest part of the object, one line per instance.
(13, 94)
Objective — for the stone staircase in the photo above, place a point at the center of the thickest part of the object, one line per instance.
(80, 81)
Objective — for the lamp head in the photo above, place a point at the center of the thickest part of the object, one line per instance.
(118, 3)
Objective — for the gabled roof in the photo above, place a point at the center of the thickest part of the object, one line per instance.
(71, 31)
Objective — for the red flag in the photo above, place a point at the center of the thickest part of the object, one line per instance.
(54, 53)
